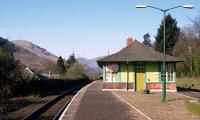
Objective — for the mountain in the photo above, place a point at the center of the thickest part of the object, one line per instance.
(37, 58)
(41, 52)
(91, 64)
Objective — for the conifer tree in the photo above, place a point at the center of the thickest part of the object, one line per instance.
(172, 32)
(72, 59)
(147, 40)
(61, 65)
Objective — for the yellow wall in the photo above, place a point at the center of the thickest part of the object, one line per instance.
(124, 72)
(152, 74)
(131, 73)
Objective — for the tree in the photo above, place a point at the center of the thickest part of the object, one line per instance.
(172, 32)
(76, 71)
(10, 71)
(184, 49)
(71, 60)
(60, 65)
(147, 40)
(196, 62)
(187, 48)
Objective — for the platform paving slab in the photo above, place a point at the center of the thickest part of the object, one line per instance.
(94, 104)
(173, 109)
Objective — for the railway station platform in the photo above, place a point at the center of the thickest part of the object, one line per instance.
(91, 103)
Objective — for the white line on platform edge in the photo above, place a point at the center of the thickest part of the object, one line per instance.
(132, 106)
(195, 92)
(63, 114)
(188, 96)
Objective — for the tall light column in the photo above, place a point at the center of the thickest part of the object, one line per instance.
(163, 98)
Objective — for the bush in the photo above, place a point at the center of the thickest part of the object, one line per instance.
(76, 71)
(188, 82)
(93, 75)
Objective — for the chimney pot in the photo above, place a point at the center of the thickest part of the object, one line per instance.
(129, 41)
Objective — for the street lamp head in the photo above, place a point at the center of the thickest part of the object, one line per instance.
(141, 6)
(188, 6)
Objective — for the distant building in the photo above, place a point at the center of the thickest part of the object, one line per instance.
(137, 67)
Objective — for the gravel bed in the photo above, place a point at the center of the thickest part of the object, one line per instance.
(20, 113)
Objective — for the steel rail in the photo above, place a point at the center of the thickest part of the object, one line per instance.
(50, 103)
(57, 116)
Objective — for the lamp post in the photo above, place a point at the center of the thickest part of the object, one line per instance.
(163, 98)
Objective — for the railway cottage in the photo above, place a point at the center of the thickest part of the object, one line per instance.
(137, 67)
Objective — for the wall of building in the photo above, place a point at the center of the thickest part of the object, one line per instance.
(120, 85)
(152, 77)
(123, 72)
(152, 72)
(158, 86)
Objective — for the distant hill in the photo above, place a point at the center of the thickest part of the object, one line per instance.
(39, 59)
(91, 64)
(31, 55)
(41, 52)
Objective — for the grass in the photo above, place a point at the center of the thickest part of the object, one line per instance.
(16, 103)
(193, 107)
(188, 82)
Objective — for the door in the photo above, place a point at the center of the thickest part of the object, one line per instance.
(139, 79)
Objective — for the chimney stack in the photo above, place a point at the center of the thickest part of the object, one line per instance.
(129, 41)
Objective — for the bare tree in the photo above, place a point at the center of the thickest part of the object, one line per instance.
(188, 44)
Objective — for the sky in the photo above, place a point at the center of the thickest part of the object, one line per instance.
(89, 28)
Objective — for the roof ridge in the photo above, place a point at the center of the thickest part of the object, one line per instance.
(137, 51)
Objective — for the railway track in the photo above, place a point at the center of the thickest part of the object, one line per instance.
(54, 108)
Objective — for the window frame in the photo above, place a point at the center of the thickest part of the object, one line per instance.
(111, 73)
(139, 65)
(167, 72)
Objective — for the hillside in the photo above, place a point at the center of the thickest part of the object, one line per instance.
(41, 52)
(91, 64)
(36, 58)
(40, 59)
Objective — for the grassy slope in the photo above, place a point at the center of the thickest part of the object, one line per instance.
(193, 107)
(188, 82)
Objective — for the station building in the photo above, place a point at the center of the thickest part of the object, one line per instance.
(137, 67)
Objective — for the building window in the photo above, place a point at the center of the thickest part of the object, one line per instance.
(112, 73)
(112, 77)
(139, 65)
(169, 69)
(108, 77)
